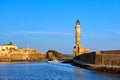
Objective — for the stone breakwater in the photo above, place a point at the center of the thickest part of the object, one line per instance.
(103, 68)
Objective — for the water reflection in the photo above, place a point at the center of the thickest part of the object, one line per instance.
(47, 71)
(94, 75)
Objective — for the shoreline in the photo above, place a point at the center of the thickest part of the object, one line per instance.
(21, 61)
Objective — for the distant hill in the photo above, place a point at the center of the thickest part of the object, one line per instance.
(57, 54)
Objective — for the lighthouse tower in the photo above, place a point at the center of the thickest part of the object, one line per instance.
(77, 34)
(77, 39)
(78, 49)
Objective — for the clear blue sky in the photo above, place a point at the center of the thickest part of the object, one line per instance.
(50, 24)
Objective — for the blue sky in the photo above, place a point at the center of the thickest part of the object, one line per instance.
(50, 24)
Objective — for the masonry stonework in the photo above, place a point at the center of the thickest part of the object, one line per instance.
(111, 58)
(10, 52)
(78, 49)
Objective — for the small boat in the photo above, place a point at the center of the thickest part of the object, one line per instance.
(54, 60)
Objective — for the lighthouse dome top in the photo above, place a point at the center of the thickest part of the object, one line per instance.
(78, 22)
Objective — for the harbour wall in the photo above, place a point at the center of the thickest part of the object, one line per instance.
(111, 57)
(106, 61)
(22, 57)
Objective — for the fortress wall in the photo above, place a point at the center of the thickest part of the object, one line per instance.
(4, 58)
(87, 58)
(37, 57)
(22, 57)
(115, 52)
(111, 57)
(27, 57)
(19, 57)
(101, 58)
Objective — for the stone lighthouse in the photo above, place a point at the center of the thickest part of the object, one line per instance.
(78, 49)
(77, 34)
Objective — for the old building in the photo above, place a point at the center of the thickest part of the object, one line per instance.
(13, 49)
(10, 52)
(6, 48)
(78, 49)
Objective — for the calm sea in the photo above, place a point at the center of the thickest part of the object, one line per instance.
(48, 71)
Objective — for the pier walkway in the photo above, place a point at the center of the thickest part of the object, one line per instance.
(104, 68)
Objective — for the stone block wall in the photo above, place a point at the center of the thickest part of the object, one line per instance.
(5, 58)
(111, 58)
(22, 57)
(87, 58)
(19, 57)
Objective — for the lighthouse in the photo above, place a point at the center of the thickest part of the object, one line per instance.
(78, 49)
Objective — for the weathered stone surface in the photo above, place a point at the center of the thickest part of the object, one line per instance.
(111, 58)
(78, 49)
(88, 58)
(103, 68)
(22, 57)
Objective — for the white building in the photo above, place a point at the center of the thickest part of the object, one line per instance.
(4, 49)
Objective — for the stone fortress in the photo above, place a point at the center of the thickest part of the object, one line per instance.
(110, 57)
(10, 52)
